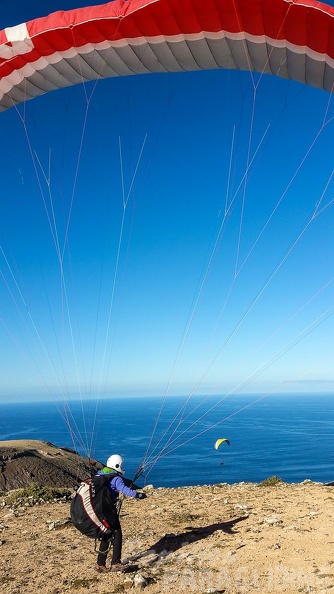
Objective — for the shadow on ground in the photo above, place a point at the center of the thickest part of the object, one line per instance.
(173, 542)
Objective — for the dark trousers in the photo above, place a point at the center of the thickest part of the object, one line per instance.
(116, 540)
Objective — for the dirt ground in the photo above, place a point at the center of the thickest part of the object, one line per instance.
(223, 538)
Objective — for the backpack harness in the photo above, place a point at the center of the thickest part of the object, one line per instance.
(93, 507)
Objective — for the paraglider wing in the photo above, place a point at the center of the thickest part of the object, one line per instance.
(287, 39)
(220, 441)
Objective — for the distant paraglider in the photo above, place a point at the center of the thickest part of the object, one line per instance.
(220, 441)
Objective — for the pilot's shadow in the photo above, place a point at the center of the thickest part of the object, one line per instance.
(170, 543)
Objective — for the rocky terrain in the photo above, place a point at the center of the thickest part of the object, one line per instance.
(233, 539)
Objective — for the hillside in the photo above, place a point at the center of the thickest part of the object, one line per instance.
(25, 461)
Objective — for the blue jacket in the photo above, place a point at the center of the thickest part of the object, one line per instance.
(117, 485)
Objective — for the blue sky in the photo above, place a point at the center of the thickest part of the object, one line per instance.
(166, 294)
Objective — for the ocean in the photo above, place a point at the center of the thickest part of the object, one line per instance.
(290, 436)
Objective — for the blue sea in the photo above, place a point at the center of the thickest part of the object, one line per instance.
(290, 436)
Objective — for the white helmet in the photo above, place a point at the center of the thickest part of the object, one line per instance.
(115, 462)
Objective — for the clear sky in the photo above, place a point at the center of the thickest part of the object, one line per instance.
(196, 246)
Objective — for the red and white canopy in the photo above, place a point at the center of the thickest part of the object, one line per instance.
(292, 39)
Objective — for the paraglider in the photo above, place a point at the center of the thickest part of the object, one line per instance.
(143, 37)
(220, 441)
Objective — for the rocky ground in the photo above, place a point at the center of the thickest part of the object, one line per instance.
(222, 538)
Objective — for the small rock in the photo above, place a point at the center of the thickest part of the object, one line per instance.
(272, 521)
(10, 515)
(58, 524)
(128, 583)
(148, 488)
(139, 581)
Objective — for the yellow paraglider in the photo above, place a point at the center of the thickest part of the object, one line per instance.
(220, 441)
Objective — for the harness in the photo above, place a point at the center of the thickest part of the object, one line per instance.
(93, 509)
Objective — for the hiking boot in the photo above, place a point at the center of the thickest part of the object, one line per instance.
(102, 569)
(117, 567)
